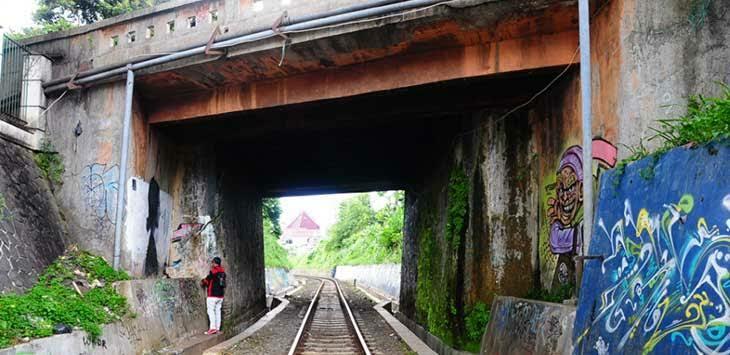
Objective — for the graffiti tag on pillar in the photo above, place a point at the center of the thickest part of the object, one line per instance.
(100, 184)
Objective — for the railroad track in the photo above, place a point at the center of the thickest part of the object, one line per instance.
(328, 326)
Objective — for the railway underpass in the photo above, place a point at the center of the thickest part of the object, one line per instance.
(471, 107)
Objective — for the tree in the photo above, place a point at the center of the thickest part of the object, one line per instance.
(272, 211)
(82, 12)
(59, 15)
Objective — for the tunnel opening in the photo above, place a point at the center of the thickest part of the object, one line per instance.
(471, 177)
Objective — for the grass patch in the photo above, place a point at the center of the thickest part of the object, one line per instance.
(476, 321)
(707, 119)
(50, 163)
(54, 300)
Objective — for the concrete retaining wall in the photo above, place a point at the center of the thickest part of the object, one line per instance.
(385, 277)
(520, 326)
(278, 279)
(166, 309)
(662, 228)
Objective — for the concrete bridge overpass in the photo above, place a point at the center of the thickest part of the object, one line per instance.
(434, 96)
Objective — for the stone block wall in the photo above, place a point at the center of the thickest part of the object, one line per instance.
(32, 231)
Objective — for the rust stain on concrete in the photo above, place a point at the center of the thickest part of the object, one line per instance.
(386, 74)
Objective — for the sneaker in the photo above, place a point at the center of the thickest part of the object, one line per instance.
(210, 332)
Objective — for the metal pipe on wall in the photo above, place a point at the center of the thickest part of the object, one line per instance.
(122, 185)
(360, 6)
(585, 86)
(306, 25)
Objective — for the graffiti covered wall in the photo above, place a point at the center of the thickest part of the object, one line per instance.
(663, 229)
(562, 236)
(147, 228)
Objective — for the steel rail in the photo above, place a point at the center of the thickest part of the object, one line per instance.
(343, 300)
(310, 314)
(307, 318)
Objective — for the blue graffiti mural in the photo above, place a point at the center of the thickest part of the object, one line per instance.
(663, 284)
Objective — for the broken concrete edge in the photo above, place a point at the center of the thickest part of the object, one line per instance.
(431, 340)
(268, 317)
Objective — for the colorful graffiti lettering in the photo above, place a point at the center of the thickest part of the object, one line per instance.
(669, 280)
(100, 184)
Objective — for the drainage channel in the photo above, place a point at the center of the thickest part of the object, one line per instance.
(329, 326)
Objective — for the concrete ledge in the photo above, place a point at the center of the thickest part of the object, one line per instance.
(520, 326)
(222, 347)
(431, 340)
(406, 334)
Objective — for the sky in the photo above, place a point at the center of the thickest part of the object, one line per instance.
(322, 208)
(16, 14)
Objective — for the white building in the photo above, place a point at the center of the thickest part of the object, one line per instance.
(301, 235)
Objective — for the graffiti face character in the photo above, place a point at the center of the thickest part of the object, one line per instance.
(564, 210)
(569, 190)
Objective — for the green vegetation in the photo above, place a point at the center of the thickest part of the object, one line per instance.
(557, 295)
(59, 15)
(274, 254)
(437, 271)
(476, 321)
(3, 207)
(699, 11)
(458, 206)
(50, 163)
(55, 300)
(361, 235)
(707, 119)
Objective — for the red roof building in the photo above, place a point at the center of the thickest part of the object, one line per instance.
(301, 235)
(303, 221)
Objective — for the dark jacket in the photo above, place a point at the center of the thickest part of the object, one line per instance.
(215, 282)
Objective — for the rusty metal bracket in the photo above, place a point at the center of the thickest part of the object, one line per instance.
(276, 27)
(211, 40)
(71, 85)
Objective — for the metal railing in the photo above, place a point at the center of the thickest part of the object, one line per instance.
(13, 59)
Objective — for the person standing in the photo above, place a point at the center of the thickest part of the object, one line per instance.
(215, 283)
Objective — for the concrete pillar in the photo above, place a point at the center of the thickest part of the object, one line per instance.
(36, 70)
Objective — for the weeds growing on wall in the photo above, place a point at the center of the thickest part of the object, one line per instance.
(477, 317)
(50, 163)
(437, 272)
(458, 207)
(699, 10)
(3, 207)
(54, 300)
(707, 119)
(557, 295)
